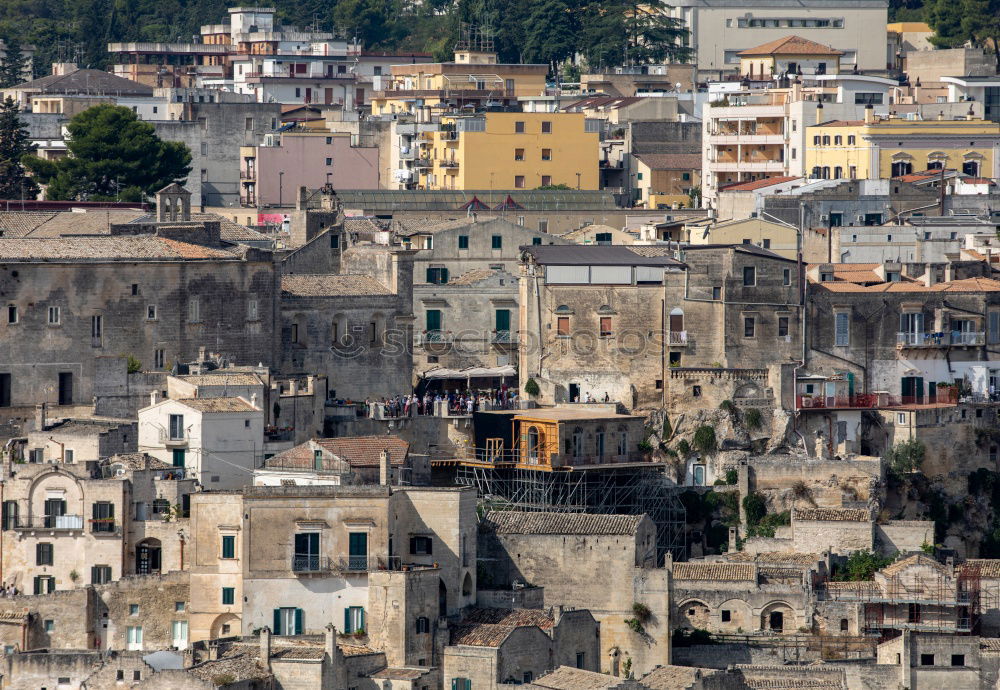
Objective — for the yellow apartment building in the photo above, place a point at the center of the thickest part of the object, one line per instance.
(474, 78)
(510, 150)
(879, 148)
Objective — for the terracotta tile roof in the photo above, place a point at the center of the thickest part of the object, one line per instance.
(103, 249)
(978, 180)
(481, 634)
(647, 250)
(858, 277)
(390, 673)
(356, 650)
(357, 451)
(473, 276)
(242, 662)
(757, 184)
(841, 123)
(774, 558)
(137, 461)
(19, 615)
(957, 286)
(983, 567)
(90, 222)
(20, 223)
(512, 617)
(990, 643)
(791, 45)
(863, 587)
(832, 514)
(298, 652)
(517, 522)
(917, 559)
(331, 285)
(240, 378)
(671, 161)
(793, 683)
(675, 677)
(722, 572)
(218, 405)
(85, 81)
(229, 230)
(570, 678)
(365, 225)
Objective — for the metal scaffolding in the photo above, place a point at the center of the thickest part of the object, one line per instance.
(632, 489)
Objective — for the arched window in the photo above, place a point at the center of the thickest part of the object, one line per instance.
(533, 444)
(843, 625)
(826, 172)
(622, 441)
(577, 442)
(599, 438)
(423, 625)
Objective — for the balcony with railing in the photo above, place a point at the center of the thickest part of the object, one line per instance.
(51, 522)
(943, 395)
(173, 438)
(504, 338)
(447, 163)
(108, 527)
(678, 338)
(940, 339)
(311, 564)
(433, 338)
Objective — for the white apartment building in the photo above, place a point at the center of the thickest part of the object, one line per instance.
(720, 29)
(218, 441)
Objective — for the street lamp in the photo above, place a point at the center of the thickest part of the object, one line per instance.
(281, 181)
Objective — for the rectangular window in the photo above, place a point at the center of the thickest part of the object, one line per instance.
(519, 127)
(11, 313)
(496, 242)
(463, 241)
(44, 584)
(958, 660)
(354, 619)
(228, 596)
(546, 154)
(606, 326)
(96, 329)
(926, 659)
(151, 312)
(248, 124)
(253, 307)
(176, 423)
(50, 626)
(519, 154)
(158, 358)
(229, 546)
(43, 553)
(421, 546)
(54, 316)
(716, 293)
(194, 310)
(103, 516)
(749, 275)
(518, 181)
(786, 276)
(749, 325)
(842, 329)
(133, 609)
(133, 636)
(100, 574)
(546, 180)
(179, 606)
(562, 326)
(546, 127)
(782, 326)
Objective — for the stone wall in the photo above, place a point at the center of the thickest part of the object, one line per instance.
(841, 537)
(71, 613)
(161, 600)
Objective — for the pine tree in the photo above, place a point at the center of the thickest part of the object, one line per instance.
(14, 145)
(12, 63)
(112, 154)
(550, 33)
(945, 17)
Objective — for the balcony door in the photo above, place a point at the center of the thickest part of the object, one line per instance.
(358, 551)
(306, 551)
(913, 389)
(55, 508)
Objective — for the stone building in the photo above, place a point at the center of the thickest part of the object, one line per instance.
(262, 556)
(354, 327)
(491, 647)
(468, 321)
(77, 440)
(343, 460)
(156, 292)
(910, 339)
(560, 552)
(70, 525)
(622, 319)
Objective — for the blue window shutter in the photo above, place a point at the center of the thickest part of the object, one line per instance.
(299, 627)
(277, 622)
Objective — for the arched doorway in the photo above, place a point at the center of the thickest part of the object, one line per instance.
(442, 599)
(467, 585)
(147, 557)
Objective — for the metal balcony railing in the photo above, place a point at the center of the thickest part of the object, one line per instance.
(941, 339)
(53, 522)
(103, 526)
(678, 338)
(167, 436)
(310, 563)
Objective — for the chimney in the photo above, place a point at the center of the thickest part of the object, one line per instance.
(330, 640)
(154, 397)
(61, 69)
(940, 114)
(40, 416)
(971, 115)
(201, 353)
(253, 400)
(265, 647)
(732, 540)
(384, 471)
(869, 114)
(819, 113)
(302, 199)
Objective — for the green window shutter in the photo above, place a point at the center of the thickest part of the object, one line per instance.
(229, 547)
(299, 623)
(52, 585)
(347, 620)
(277, 622)
(454, 684)
(363, 623)
(431, 275)
(38, 585)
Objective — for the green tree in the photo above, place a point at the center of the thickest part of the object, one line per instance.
(14, 146)
(550, 33)
(14, 62)
(861, 565)
(755, 508)
(615, 32)
(945, 17)
(112, 154)
(375, 22)
(906, 456)
(981, 23)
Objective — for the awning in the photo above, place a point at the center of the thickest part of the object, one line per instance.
(471, 372)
